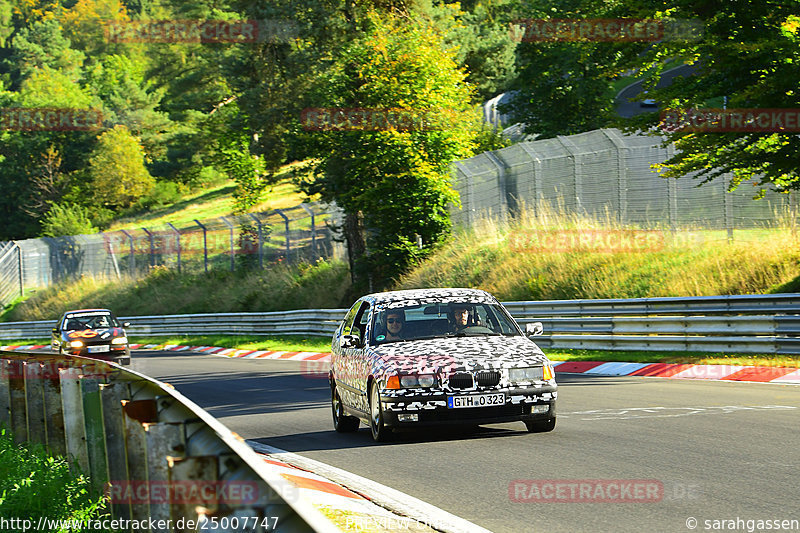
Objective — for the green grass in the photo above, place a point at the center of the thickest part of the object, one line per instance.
(295, 343)
(35, 484)
(164, 291)
(285, 343)
(213, 201)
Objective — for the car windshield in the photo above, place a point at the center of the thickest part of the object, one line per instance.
(77, 321)
(445, 319)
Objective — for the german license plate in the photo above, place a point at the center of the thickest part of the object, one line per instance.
(476, 400)
(98, 349)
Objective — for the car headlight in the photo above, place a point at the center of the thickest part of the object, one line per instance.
(533, 373)
(75, 344)
(120, 340)
(417, 380)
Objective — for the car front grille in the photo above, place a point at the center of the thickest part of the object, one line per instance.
(461, 380)
(487, 378)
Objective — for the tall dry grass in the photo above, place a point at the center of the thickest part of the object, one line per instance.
(516, 262)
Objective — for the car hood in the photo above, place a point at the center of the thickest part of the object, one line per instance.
(459, 353)
(94, 334)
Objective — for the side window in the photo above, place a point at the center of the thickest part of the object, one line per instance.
(360, 323)
(347, 323)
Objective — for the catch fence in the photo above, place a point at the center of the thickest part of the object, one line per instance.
(607, 175)
(253, 241)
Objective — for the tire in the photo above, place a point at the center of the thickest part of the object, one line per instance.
(380, 433)
(341, 422)
(541, 426)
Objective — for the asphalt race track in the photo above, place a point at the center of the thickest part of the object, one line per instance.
(675, 450)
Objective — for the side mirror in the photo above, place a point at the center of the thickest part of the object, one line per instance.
(350, 341)
(533, 329)
(126, 324)
(55, 330)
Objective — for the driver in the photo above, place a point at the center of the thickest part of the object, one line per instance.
(395, 320)
(460, 317)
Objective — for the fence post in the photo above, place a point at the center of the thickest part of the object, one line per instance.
(230, 227)
(727, 201)
(205, 245)
(133, 253)
(152, 248)
(178, 234)
(313, 232)
(536, 170)
(502, 185)
(286, 225)
(260, 241)
(21, 270)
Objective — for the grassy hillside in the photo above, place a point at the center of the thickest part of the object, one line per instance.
(215, 200)
(516, 263)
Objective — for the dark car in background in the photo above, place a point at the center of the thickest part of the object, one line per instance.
(407, 359)
(94, 333)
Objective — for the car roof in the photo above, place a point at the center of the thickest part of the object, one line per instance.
(430, 295)
(79, 311)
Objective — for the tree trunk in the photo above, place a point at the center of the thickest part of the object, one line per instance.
(356, 245)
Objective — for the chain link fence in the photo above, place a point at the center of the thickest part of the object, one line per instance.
(608, 175)
(254, 241)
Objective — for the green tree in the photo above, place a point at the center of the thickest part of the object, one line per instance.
(117, 171)
(749, 53)
(67, 219)
(393, 184)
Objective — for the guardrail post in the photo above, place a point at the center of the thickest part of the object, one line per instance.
(205, 244)
(74, 421)
(111, 396)
(5, 393)
(162, 440)
(53, 413)
(187, 470)
(34, 399)
(95, 438)
(16, 387)
(137, 413)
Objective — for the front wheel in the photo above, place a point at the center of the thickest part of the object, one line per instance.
(341, 422)
(541, 426)
(380, 433)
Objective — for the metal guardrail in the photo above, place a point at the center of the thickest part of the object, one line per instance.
(164, 457)
(746, 324)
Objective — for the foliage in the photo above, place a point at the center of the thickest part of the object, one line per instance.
(397, 179)
(35, 484)
(750, 54)
(117, 172)
(67, 219)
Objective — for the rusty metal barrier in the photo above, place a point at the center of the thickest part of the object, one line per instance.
(160, 458)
